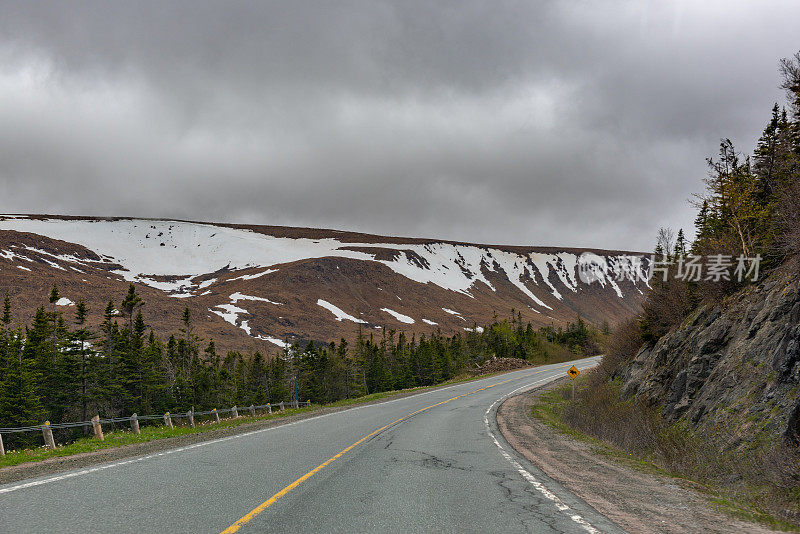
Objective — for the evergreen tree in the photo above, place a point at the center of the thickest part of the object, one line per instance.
(20, 403)
(6, 319)
(680, 244)
(130, 304)
(81, 337)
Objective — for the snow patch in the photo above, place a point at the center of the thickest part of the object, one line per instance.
(64, 301)
(282, 344)
(432, 323)
(399, 316)
(230, 312)
(236, 297)
(340, 315)
(252, 276)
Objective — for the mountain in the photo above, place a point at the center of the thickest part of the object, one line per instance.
(254, 287)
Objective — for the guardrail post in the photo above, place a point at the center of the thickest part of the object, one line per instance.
(282, 408)
(235, 412)
(98, 428)
(47, 432)
(135, 424)
(2, 449)
(269, 408)
(168, 420)
(216, 415)
(190, 415)
(252, 411)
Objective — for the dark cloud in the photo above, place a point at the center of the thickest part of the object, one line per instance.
(563, 123)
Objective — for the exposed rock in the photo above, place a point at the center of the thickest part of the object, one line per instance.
(733, 366)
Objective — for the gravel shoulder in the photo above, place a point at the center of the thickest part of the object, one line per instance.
(637, 501)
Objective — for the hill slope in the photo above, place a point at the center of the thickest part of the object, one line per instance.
(254, 286)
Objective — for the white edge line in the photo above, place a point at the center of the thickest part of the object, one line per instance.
(559, 504)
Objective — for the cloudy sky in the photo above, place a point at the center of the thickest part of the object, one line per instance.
(549, 123)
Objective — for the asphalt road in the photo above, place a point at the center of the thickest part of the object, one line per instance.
(439, 465)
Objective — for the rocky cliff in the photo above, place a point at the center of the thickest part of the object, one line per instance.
(731, 369)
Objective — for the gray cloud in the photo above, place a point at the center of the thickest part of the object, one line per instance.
(560, 123)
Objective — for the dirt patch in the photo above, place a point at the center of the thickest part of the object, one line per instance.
(496, 365)
(637, 501)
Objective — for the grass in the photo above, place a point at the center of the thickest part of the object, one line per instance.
(119, 438)
(556, 409)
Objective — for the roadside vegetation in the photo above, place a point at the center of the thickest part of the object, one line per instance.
(758, 484)
(59, 369)
(121, 435)
(751, 207)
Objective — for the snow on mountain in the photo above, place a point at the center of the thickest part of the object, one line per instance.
(399, 316)
(247, 285)
(338, 313)
(148, 250)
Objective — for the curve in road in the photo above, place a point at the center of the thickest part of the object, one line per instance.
(434, 461)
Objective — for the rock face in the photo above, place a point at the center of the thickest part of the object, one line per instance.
(733, 367)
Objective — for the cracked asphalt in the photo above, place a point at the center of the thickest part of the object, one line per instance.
(438, 470)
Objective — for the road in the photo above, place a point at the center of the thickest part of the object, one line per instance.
(432, 462)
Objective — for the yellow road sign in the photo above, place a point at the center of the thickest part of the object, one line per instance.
(573, 372)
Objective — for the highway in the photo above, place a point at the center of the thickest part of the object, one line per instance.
(431, 462)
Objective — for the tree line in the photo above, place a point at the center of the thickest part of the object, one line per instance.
(59, 369)
(750, 207)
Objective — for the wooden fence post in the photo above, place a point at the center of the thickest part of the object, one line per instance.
(98, 428)
(235, 412)
(216, 415)
(135, 424)
(190, 415)
(252, 411)
(47, 432)
(168, 420)
(2, 449)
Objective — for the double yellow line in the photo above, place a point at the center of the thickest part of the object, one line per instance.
(269, 502)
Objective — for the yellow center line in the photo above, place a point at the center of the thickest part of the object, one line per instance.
(269, 502)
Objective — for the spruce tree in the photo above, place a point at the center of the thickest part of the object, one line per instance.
(20, 403)
(6, 319)
(130, 304)
(81, 337)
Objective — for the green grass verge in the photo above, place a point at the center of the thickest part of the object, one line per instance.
(119, 438)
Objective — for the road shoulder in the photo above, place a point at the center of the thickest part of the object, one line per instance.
(637, 501)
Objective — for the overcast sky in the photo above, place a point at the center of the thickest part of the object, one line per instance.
(534, 123)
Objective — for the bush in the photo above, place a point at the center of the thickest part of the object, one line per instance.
(623, 345)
